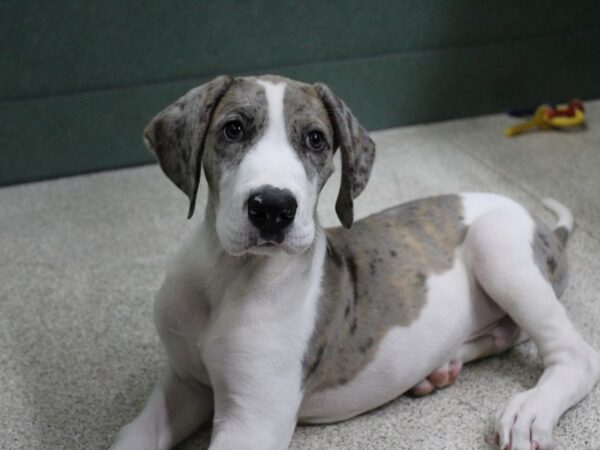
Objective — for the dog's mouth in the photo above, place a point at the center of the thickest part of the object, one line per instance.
(270, 238)
(263, 247)
(267, 241)
(273, 237)
(290, 241)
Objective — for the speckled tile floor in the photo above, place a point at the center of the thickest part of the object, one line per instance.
(81, 258)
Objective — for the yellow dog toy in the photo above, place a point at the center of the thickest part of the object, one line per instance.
(547, 117)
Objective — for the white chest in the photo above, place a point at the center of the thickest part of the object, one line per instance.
(239, 321)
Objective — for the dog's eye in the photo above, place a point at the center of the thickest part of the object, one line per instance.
(315, 140)
(234, 130)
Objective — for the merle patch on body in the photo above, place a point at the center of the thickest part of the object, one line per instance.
(549, 254)
(562, 234)
(375, 279)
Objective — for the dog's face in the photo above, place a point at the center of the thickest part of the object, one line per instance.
(267, 148)
(267, 154)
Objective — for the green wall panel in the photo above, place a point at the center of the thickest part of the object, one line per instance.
(49, 48)
(83, 132)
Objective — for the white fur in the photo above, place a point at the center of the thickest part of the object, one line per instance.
(499, 253)
(565, 218)
(254, 351)
(236, 329)
(249, 349)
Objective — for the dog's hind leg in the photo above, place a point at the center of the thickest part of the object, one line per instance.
(500, 253)
(503, 335)
(174, 410)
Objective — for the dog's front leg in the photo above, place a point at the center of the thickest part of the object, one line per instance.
(174, 410)
(257, 385)
(262, 421)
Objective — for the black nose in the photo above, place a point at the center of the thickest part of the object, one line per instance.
(271, 210)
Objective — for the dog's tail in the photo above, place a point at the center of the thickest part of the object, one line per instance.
(564, 225)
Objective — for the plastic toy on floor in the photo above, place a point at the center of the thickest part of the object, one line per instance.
(546, 117)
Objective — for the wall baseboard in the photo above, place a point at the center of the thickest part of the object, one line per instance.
(98, 130)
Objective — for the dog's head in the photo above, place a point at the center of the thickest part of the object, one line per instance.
(266, 145)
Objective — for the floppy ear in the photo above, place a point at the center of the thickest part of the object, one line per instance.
(176, 135)
(358, 152)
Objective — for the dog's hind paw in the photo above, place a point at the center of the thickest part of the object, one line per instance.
(438, 379)
(525, 423)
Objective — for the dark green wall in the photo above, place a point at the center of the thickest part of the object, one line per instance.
(79, 80)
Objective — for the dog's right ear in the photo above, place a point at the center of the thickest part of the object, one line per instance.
(176, 135)
(357, 148)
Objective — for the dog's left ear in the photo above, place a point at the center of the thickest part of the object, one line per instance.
(358, 152)
(176, 135)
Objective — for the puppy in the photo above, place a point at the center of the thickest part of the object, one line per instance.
(268, 319)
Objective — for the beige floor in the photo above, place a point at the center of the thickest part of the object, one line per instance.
(82, 257)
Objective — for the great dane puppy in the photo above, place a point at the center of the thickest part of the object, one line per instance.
(268, 319)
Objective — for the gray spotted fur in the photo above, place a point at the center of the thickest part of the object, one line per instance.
(374, 279)
(304, 112)
(180, 134)
(245, 101)
(176, 135)
(562, 233)
(357, 149)
(550, 256)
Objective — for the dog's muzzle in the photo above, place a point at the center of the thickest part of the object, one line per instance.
(272, 210)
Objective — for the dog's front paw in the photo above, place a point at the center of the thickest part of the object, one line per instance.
(525, 423)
